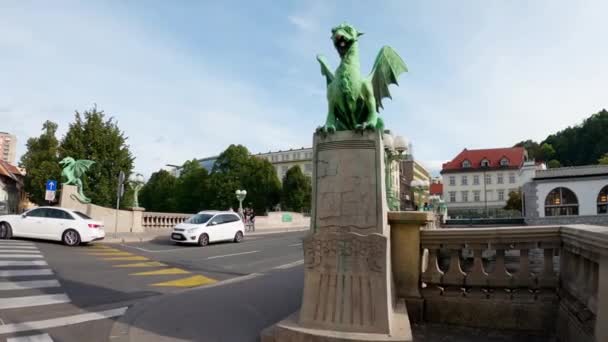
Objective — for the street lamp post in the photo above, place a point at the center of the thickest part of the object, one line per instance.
(419, 187)
(395, 149)
(240, 195)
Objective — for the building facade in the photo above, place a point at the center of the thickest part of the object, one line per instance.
(12, 196)
(477, 183)
(567, 195)
(411, 170)
(284, 160)
(8, 147)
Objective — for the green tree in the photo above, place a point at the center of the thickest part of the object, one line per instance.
(532, 147)
(553, 163)
(296, 190)
(159, 193)
(236, 169)
(192, 188)
(547, 152)
(41, 162)
(514, 201)
(92, 136)
(603, 160)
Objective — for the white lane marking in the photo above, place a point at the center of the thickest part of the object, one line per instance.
(19, 273)
(233, 280)
(20, 256)
(61, 321)
(24, 302)
(229, 255)
(291, 264)
(17, 245)
(30, 284)
(296, 244)
(24, 263)
(30, 251)
(31, 338)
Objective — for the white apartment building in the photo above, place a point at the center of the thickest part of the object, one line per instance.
(8, 147)
(284, 160)
(478, 182)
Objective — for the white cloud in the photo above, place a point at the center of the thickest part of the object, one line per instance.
(303, 23)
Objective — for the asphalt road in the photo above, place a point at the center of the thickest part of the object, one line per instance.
(77, 294)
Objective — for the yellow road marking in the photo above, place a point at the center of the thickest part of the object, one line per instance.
(164, 271)
(109, 253)
(99, 247)
(128, 258)
(193, 281)
(142, 264)
(103, 250)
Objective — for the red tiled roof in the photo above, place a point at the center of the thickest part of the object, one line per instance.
(515, 156)
(436, 189)
(9, 170)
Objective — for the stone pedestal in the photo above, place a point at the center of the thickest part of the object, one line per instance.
(137, 221)
(348, 282)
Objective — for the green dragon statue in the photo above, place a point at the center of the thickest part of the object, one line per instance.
(354, 101)
(73, 170)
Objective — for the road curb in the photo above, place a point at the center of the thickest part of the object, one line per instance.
(112, 240)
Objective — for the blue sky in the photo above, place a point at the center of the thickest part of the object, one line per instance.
(186, 79)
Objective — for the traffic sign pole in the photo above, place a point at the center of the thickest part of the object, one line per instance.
(119, 193)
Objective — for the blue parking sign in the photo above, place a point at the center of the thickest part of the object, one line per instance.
(51, 185)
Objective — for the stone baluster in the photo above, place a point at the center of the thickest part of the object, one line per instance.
(500, 280)
(477, 278)
(433, 274)
(453, 279)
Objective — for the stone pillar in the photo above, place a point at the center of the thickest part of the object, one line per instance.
(137, 220)
(407, 258)
(348, 281)
(69, 200)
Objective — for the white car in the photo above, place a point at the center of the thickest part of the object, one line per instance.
(209, 226)
(52, 223)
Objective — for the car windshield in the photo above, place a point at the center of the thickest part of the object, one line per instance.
(199, 218)
(82, 215)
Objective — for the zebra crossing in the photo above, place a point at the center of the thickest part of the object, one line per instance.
(29, 286)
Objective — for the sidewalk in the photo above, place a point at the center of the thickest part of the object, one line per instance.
(111, 237)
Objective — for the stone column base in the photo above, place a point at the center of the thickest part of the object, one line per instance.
(289, 330)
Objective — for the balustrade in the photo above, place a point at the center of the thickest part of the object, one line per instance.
(162, 221)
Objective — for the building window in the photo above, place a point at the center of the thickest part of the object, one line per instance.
(308, 167)
(499, 179)
(284, 169)
(466, 164)
(488, 179)
(501, 195)
(504, 162)
(286, 157)
(602, 201)
(485, 163)
(464, 180)
(452, 180)
(465, 196)
(452, 196)
(561, 202)
(511, 178)
(476, 196)
(475, 180)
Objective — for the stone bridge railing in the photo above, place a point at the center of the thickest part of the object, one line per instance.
(162, 221)
(550, 280)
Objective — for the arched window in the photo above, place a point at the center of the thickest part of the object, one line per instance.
(466, 164)
(485, 163)
(561, 202)
(602, 201)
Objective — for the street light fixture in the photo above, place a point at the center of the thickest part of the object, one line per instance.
(395, 149)
(240, 195)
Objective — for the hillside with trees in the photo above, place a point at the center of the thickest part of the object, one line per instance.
(583, 144)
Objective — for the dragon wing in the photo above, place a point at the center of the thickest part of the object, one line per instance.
(81, 166)
(387, 67)
(325, 70)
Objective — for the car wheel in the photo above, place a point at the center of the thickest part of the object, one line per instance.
(71, 238)
(203, 240)
(238, 237)
(5, 231)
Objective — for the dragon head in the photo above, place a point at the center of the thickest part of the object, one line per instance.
(67, 161)
(344, 36)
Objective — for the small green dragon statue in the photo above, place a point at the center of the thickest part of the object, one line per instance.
(73, 170)
(354, 101)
